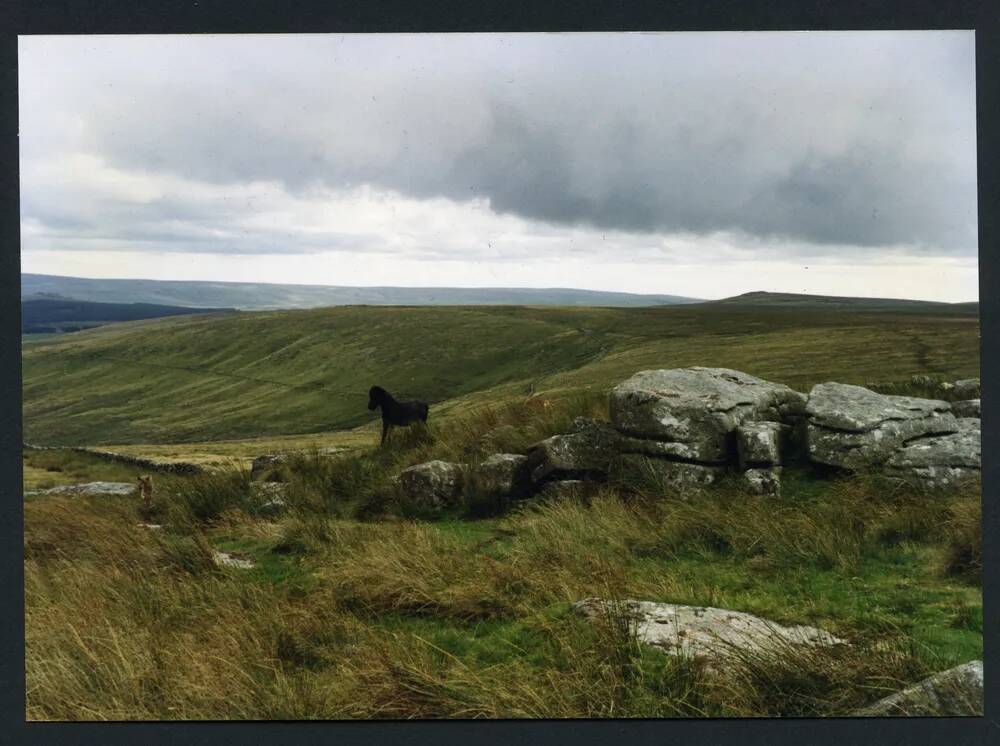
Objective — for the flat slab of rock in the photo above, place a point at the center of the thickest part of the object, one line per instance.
(967, 408)
(855, 428)
(586, 452)
(941, 460)
(706, 632)
(89, 488)
(433, 484)
(955, 692)
(698, 407)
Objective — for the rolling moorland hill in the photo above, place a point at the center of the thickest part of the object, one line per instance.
(47, 315)
(258, 374)
(836, 302)
(257, 295)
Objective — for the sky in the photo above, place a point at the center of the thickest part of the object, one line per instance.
(696, 164)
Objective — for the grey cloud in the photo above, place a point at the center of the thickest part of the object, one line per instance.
(864, 139)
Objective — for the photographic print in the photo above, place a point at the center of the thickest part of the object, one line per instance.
(500, 376)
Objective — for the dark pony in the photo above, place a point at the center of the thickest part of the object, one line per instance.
(395, 413)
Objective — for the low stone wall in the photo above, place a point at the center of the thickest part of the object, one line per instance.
(165, 467)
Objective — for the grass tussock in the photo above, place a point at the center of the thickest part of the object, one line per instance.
(963, 553)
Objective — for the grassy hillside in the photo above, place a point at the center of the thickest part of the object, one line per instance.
(272, 373)
(838, 302)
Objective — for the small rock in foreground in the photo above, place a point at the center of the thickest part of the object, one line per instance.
(705, 632)
(957, 691)
(224, 559)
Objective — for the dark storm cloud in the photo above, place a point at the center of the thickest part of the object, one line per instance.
(865, 139)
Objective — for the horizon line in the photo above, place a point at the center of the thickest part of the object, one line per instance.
(495, 287)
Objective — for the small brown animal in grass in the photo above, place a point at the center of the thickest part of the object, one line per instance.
(146, 490)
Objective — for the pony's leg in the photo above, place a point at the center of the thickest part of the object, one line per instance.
(385, 431)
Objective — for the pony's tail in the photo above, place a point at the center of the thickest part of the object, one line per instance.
(425, 410)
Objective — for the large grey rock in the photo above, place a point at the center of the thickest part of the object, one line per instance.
(968, 388)
(855, 428)
(941, 460)
(502, 473)
(766, 481)
(679, 477)
(89, 488)
(957, 691)
(586, 452)
(432, 484)
(698, 408)
(704, 632)
(759, 444)
(967, 408)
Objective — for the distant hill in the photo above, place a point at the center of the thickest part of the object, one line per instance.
(44, 314)
(835, 302)
(267, 296)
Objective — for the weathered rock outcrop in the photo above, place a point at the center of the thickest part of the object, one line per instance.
(584, 453)
(696, 409)
(854, 428)
(758, 444)
(968, 388)
(694, 424)
(433, 484)
(685, 428)
(941, 460)
(957, 691)
(705, 632)
(967, 408)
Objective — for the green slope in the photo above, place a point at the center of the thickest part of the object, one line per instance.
(272, 373)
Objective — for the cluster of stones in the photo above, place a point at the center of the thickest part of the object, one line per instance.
(932, 442)
(687, 427)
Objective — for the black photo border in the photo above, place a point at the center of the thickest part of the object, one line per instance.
(26, 17)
